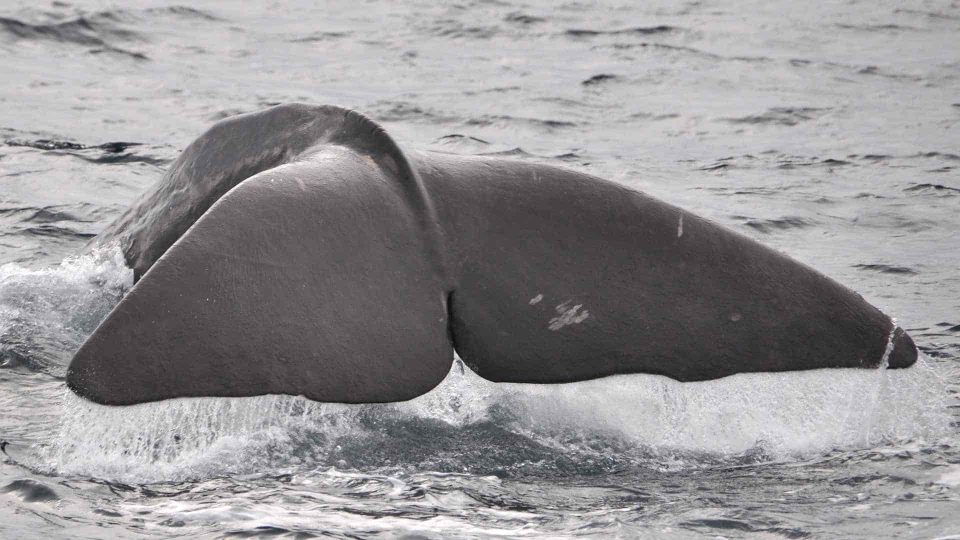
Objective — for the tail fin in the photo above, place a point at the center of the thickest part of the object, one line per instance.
(564, 277)
(298, 251)
(313, 278)
(240, 147)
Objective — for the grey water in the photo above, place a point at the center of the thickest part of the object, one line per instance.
(828, 130)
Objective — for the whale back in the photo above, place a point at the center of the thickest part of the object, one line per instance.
(300, 251)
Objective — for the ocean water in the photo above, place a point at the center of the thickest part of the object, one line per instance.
(830, 131)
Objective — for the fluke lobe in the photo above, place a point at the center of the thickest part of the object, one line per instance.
(299, 250)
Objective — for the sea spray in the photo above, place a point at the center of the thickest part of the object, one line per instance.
(643, 418)
(45, 314)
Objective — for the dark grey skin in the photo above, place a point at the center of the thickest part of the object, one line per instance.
(299, 251)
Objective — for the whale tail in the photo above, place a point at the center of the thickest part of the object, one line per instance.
(299, 251)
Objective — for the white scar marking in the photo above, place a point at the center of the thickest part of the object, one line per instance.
(567, 316)
(680, 227)
(535, 300)
(885, 359)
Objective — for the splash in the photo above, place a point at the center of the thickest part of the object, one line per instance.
(46, 314)
(785, 415)
(626, 419)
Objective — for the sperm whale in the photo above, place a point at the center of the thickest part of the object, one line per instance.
(299, 250)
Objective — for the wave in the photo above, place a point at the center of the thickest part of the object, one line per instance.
(396, 111)
(635, 30)
(929, 14)
(784, 116)
(185, 12)
(770, 225)
(889, 27)
(599, 78)
(460, 143)
(109, 153)
(60, 231)
(543, 123)
(523, 18)
(98, 30)
(321, 36)
(30, 491)
(458, 137)
(452, 28)
(685, 50)
(52, 145)
(80, 31)
(775, 159)
(887, 269)
(45, 214)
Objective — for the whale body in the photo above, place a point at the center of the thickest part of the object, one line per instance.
(298, 250)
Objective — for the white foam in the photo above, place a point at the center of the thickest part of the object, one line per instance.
(49, 311)
(786, 415)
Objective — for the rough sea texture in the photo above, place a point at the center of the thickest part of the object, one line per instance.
(828, 130)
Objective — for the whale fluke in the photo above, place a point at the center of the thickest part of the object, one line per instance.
(299, 250)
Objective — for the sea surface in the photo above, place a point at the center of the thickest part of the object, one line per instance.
(828, 130)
